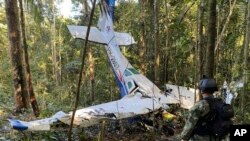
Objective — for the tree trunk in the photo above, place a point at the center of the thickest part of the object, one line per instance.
(91, 60)
(225, 25)
(209, 67)
(150, 53)
(200, 46)
(91, 73)
(199, 49)
(54, 49)
(245, 71)
(16, 54)
(142, 44)
(33, 101)
(156, 45)
(166, 51)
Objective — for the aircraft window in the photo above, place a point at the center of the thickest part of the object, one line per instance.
(129, 85)
(127, 73)
(134, 71)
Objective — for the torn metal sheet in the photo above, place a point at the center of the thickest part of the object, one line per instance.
(183, 95)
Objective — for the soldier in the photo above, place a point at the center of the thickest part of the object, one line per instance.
(207, 87)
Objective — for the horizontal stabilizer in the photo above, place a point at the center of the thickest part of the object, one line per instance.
(81, 32)
(95, 35)
(124, 39)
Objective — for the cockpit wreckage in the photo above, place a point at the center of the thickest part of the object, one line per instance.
(139, 95)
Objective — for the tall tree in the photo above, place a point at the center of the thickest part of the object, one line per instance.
(54, 48)
(166, 52)
(209, 67)
(91, 73)
(225, 24)
(91, 60)
(200, 58)
(31, 93)
(142, 39)
(16, 54)
(199, 49)
(246, 68)
(156, 45)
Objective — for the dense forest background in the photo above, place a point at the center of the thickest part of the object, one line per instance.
(176, 41)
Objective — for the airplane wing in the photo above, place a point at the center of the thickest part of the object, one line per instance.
(36, 125)
(81, 31)
(124, 39)
(126, 107)
(129, 106)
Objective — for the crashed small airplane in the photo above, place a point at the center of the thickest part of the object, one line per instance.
(139, 95)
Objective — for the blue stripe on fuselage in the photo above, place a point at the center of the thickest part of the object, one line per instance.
(121, 86)
(115, 67)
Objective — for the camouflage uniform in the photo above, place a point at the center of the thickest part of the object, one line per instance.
(199, 110)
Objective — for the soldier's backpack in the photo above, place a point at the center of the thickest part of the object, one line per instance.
(217, 122)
